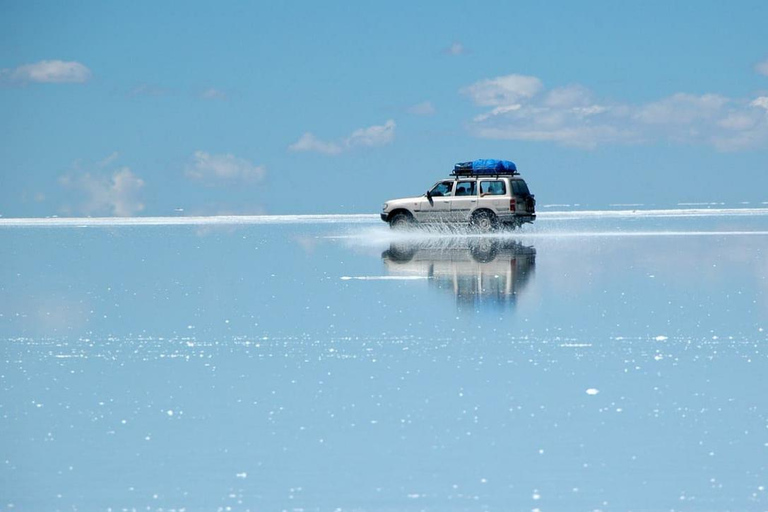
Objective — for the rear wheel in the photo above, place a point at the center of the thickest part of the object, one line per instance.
(484, 221)
(400, 221)
(484, 250)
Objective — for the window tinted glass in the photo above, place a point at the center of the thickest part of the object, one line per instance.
(493, 188)
(520, 188)
(465, 188)
(442, 189)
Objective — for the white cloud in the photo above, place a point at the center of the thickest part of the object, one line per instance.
(569, 96)
(762, 67)
(682, 109)
(503, 90)
(377, 135)
(497, 111)
(456, 48)
(224, 168)
(108, 160)
(308, 142)
(117, 193)
(761, 102)
(424, 108)
(572, 116)
(213, 94)
(147, 90)
(48, 71)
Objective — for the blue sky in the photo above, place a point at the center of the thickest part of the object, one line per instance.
(148, 108)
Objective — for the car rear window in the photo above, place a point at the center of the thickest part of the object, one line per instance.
(520, 188)
(493, 188)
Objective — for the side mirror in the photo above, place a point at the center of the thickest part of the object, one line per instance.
(429, 197)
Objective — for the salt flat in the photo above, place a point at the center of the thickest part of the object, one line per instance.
(592, 361)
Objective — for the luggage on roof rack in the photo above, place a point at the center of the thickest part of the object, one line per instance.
(484, 167)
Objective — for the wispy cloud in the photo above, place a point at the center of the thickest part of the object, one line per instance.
(424, 108)
(213, 94)
(147, 90)
(572, 116)
(456, 48)
(108, 160)
(47, 71)
(223, 169)
(503, 90)
(762, 67)
(308, 142)
(377, 135)
(116, 192)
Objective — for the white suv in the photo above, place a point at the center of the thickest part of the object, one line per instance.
(486, 194)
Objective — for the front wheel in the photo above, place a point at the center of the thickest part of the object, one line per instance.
(400, 221)
(484, 221)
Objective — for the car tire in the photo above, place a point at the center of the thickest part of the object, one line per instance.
(484, 221)
(400, 221)
(400, 252)
(484, 250)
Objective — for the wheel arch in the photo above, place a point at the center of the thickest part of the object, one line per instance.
(405, 211)
(481, 209)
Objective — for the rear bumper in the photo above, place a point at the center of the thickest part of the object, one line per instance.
(520, 218)
(529, 217)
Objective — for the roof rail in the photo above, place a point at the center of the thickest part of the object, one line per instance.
(483, 173)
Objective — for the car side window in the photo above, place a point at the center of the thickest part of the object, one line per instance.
(465, 188)
(442, 189)
(492, 188)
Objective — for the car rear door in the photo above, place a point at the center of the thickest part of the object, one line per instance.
(464, 199)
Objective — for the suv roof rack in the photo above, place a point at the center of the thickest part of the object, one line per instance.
(485, 167)
(471, 173)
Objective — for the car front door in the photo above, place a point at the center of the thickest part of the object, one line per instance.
(437, 207)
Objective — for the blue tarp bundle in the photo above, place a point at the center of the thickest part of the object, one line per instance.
(486, 166)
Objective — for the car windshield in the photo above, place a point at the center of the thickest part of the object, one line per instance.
(442, 189)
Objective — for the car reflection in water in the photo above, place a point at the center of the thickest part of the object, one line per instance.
(481, 272)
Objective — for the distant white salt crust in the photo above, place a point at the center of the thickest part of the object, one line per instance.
(383, 278)
(214, 220)
(592, 391)
(228, 220)
(640, 213)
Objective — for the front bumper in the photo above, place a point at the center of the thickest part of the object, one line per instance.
(385, 217)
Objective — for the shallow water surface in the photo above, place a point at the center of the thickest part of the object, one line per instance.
(592, 361)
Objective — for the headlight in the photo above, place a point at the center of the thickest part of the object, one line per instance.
(385, 206)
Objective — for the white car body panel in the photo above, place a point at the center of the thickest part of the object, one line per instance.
(505, 207)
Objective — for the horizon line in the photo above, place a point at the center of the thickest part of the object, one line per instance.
(357, 218)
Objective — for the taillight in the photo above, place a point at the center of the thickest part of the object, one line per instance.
(512, 205)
